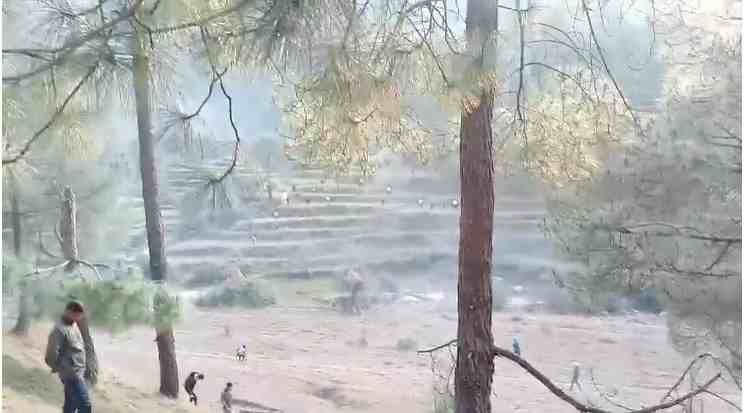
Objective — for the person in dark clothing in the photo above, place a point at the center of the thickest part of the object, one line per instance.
(191, 383)
(226, 398)
(575, 376)
(65, 355)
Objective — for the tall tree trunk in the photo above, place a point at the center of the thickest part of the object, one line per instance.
(69, 234)
(23, 323)
(69, 228)
(16, 217)
(475, 359)
(153, 220)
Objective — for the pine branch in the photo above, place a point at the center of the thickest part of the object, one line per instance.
(219, 75)
(62, 53)
(53, 119)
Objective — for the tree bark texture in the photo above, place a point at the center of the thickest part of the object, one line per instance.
(475, 358)
(69, 228)
(91, 360)
(169, 372)
(167, 360)
(69, 235)
(23, 323)
(148, 165)
(15, 216)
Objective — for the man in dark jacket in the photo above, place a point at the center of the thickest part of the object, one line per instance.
(66, 356)
(191, 383)
(226, 398)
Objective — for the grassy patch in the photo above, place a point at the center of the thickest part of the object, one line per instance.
(246, 294)
(210, 276)
(35, 381)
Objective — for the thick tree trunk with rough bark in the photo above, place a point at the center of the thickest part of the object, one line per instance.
(153, 220)
(475, 358)
(167, 361)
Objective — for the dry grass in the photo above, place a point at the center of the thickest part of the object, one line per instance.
(28, 386)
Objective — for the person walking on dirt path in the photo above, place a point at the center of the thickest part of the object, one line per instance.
(575, 376)
(65, 355)
(226, 398)
(516, 347)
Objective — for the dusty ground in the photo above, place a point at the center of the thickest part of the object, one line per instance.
(309, 360)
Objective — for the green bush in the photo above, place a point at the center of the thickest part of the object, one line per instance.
(210, 276)
(560, 301)
(444, 403)
(247, 295)
(112, 304)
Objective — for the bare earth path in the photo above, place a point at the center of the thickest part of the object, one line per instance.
(306, 360)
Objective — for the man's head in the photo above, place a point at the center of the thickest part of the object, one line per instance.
(229, 386)
(73, 311)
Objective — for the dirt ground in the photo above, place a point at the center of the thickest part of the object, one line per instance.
(305, 360)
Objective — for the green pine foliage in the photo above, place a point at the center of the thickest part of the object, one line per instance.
(114, 305)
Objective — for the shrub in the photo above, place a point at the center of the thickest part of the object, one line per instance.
(560, 301)
(112, 304)
(210, 276)
(246, 294)
(444, 403)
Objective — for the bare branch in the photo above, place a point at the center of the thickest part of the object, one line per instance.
(44, 249)
(430, 350)
(719, 397)
(219, 76)
(675, 231)
(500, 352)
(606, 396)
(587, 12)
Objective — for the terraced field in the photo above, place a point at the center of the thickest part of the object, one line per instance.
(320, 227)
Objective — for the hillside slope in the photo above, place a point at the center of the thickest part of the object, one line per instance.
(29, 386)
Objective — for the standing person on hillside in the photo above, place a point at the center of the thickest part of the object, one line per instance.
(575, 376)
(516, 347)
(226, 398)
(66, 356)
